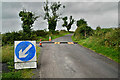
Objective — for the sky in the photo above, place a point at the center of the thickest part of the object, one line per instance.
(102, 13)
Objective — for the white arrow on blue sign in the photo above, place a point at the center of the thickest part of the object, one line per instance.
(25, 51)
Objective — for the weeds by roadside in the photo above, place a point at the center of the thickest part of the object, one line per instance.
(103, 41)
(8, 58)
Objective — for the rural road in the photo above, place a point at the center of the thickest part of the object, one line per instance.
(73, 61)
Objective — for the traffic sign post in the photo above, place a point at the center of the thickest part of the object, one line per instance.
(25, 54)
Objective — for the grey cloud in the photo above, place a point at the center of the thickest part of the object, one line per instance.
(0, 17)
(9, 25)
(61, 0)
(90, 7)
(0, 10)
(104, 14)
(96, 13)
(33, 6)
(10, 9)
(119, 14)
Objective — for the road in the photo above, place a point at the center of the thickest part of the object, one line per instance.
(73, 61)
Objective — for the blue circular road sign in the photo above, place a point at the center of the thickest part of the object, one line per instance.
(25, 51)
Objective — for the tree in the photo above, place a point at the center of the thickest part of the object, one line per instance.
(66, 24)
(98, 28)
(86, 30)
(83, 31)
(28, 19)
(51, 14)
(81, 22)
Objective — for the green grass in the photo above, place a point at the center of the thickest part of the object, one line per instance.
(8, 57)
(94, 45)
(7, 53)
(59, 35)
(54, 36)
(26, 73)
(15, 74)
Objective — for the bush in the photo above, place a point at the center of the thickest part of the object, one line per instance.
(101, 32)
(63, 31)
(112, 38)
(55, 32)
(9, 38)
(83, 32)
(77, 34)
(98, 28)
(41, 33)
(107, 37)
(33, 36)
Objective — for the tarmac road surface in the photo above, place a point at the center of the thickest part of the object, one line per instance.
(73, 61)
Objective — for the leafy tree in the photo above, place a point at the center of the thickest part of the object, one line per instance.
(66, 24)
(86, 30)
(83, 31)
(51, 14)
(28, 19)
(81, 22)
(98, 28)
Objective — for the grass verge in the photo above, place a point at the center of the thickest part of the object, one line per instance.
(8, 57)
(93, 45)
(53, 36)
(59, 35)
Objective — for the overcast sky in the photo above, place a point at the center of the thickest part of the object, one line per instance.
(104, 14)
